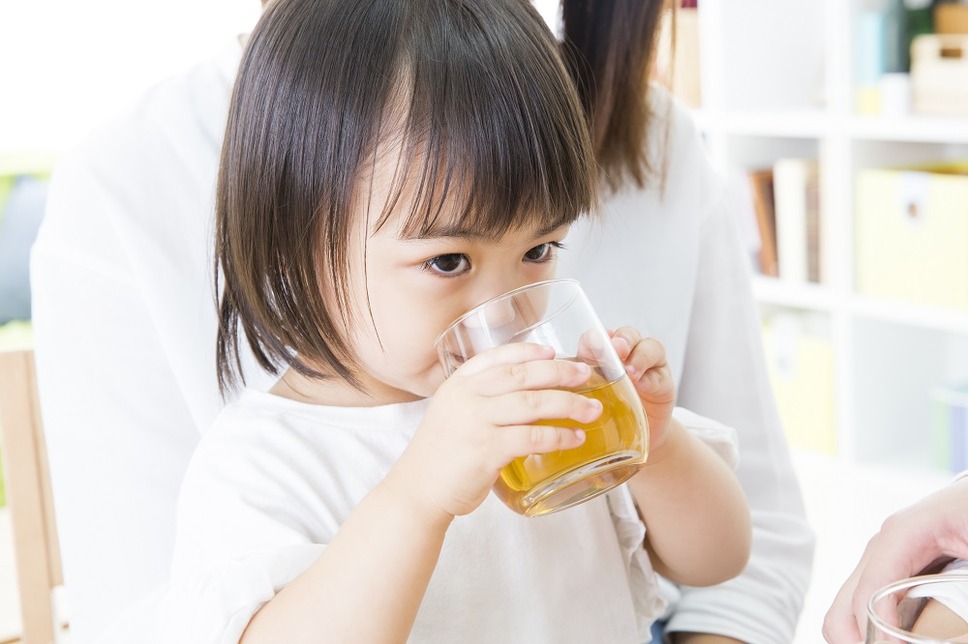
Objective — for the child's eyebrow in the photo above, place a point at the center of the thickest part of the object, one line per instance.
(457, 232)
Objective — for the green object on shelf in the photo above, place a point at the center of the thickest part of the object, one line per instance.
(917, 22)
(36, 163)
(16, 335)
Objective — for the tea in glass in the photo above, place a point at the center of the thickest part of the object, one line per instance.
(556, 313)
(615, 447)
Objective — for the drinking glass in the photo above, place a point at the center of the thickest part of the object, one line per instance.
(920, 610)
(557, 313)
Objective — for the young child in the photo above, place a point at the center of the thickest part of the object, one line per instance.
(387, 165)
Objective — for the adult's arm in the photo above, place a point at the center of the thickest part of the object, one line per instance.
(116, 455)
(125, 336)
(724, 377)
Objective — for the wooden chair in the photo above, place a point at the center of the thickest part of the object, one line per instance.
(29, 496)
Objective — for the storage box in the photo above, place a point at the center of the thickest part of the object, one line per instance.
(800, 364)
(951, 18)
(911, 235)
(939, 74)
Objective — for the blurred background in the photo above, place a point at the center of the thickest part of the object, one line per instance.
(842, 126)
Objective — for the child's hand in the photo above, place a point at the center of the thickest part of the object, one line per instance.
(645, 362)
(481, 418)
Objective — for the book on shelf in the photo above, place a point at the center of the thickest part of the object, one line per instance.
(677, 60)
(796, 189)
(761, 189)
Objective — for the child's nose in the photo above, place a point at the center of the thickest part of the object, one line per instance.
(499, 314)
(495, 322)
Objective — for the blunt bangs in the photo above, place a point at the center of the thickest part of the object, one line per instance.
(492, 139)
(471, 94)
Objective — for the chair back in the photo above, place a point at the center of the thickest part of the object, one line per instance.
(28, 496)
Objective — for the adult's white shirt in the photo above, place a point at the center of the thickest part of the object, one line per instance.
(124, 318)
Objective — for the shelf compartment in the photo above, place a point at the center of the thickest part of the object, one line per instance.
(784, 293)
(910, 314)
(923, 129)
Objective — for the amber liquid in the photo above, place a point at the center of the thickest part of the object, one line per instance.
(615, 447)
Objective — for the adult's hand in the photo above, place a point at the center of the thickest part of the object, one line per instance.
(921, 536)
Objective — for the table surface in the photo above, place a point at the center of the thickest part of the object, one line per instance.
(846, 506)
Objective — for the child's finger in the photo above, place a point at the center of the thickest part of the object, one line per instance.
(526, 407)
(592, 346)
(523, 440)
(646, 354)
(624, 341)
(655, 385)
(514, 352)
(536, 374)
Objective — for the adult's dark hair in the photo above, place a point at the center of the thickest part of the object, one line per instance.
(609, 47)
(472, 96)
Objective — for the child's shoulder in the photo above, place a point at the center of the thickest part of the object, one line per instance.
(279, 447)
(256, 417)
(268, 425)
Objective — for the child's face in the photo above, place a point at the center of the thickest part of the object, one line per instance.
(414, 288)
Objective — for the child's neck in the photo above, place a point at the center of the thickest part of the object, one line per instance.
(335, 392)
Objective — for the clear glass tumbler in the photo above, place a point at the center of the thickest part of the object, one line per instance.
(920, 610)
(557, 313)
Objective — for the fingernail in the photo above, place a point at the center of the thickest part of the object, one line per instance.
(580, 435)
(621, 344)
(584, 368)
(631, 370)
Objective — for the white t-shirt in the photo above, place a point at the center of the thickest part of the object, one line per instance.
(274, 479)
(125, 339)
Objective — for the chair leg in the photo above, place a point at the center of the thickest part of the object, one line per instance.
(25, 495)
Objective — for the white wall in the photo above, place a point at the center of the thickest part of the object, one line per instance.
(69, 63)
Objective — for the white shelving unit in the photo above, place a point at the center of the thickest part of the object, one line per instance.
(777, 81)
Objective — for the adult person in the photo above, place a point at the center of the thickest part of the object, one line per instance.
(665, 233)
(922, 537)
(122, 277)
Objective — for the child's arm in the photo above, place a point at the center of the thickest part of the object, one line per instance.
(939, 622)
(697, 519)
(368, 583)
(696, 516)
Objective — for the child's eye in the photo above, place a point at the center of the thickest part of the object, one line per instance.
(449, 265)
(543, 252)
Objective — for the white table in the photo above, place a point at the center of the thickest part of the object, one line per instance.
(846, 506)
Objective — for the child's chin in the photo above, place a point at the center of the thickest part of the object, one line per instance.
(430, 386)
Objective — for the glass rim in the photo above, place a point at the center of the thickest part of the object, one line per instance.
(904, 584)
(509, 294)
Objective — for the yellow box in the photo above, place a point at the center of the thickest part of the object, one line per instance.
(911, 235)
(800, 363)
